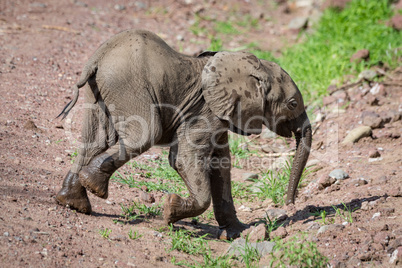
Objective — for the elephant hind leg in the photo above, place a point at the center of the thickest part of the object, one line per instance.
(73, 195)
(133, 141)
(97, 134)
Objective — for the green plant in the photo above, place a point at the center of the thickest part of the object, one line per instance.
(274, 184)
(297, 252)
(73, 156)
(224, 261)
(160, 176)
(133, 235)
(183, 240)
(271, 225)
(325, 54)
(249, 255)
(105, 232)
(345, 213)
(238, 148)
(323, 215)
(137, 210)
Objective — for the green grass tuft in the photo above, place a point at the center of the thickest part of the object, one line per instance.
(325, 55)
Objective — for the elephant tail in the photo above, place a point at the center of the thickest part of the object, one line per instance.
(89, 70)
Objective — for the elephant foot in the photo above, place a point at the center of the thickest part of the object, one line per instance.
(172, 209)
(74, 195)
(95, 181)
(232, 231)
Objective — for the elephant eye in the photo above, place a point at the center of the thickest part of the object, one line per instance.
(292, 104)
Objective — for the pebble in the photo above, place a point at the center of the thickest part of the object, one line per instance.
(58, 159)
(396, 22)
(313, 226)
(376, 215)
(245, 209)
(237, 248)
(332, 228)
(374, 153)
(6, 234)
(119, 7)
(256, 234)
(325, 181)
(356, 134)
(368, 74)
(396, 256)
(276, 213)
(298, 23)
(372, 120)
(312, 162)
(359, 182)
(248, 176)
(147, 198)
(256, 187)
(338, 174)
(279, 233)
(268, 134)
(360, 55)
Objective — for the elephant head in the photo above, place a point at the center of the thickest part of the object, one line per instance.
(248, 92)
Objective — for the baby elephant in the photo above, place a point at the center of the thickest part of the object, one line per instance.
(143, 93)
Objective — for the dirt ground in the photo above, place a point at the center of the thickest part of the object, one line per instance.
(43, 47)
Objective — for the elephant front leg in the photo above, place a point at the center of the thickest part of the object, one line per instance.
(229, 225)
(73, 194)
(191, 168)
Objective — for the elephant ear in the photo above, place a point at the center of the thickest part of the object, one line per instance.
(235, 85)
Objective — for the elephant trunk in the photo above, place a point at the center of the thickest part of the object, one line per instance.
(303, 134)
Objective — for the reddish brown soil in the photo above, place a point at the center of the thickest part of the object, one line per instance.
(43, 47)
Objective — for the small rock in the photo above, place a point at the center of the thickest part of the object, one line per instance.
(372, 119)
(298, 23)
(259, 233)
(359, 182)
(381, 238)
(245, 209)
(396, 257)
(356, 134)
(365, 206)
(374, 153)
(256, 187)
(238, 247)
(248, 176)
(396, 22)
(325, 181)
(378, 89)
(280, 232)
(6, 234)
(276, 213)
(338, 4)
(376, 215)
(368, 74)
(268, 134)
(387, 211)
(58, 159)
(30, 125)
(119, 7)
(338, 174)
(332, 228)
(312, 162)
(313, 226)
(147, 198)
(395, 192)
(360, 55)
(17, 161)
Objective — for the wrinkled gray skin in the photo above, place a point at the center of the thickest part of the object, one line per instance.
(135, 79)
